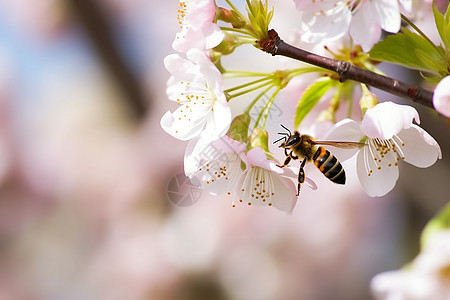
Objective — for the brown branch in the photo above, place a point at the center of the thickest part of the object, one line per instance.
(276, 46)
(97, 26)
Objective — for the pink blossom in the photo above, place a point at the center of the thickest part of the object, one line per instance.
(197, 29)
(264, 183)
(215, 166)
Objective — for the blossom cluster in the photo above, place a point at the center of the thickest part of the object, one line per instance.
(228, 153)
(228, 149)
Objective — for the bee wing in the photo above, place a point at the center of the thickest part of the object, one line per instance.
(344, 145)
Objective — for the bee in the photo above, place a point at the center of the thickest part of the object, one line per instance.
(303, 146)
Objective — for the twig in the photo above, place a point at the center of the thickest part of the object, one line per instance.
(276, 46)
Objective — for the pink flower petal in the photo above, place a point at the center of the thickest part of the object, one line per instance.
(257, 157)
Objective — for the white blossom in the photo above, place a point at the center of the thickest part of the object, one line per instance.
(390, 136)
(215, 166)
(197, 29)
(196, 85)
(264, 183)
(441, 98)
(329, 20)
(427, 277)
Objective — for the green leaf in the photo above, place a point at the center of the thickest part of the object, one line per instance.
(440, 24)
(439, 66)
(431, 79)
(259, 16)
(403, 49)
(310, 98)
(440, 222)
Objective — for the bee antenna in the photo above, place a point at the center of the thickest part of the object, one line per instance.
(281, 138)
(287, 129)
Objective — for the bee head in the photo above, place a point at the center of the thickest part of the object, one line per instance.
(293, 139)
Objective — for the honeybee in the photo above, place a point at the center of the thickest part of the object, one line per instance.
(303, 146)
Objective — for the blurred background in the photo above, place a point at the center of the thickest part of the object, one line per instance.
(86, 175)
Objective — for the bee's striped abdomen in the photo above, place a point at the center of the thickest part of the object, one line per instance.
(329, 165)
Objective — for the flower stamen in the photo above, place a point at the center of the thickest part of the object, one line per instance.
(258, 186)
(388, 150)
(183, 10)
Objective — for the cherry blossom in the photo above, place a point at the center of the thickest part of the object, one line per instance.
(427, 277)
(390, 136)
(215, 166)
(441, 98)
(197, 29)
(196, 85)
(264, 183)
(331, 19)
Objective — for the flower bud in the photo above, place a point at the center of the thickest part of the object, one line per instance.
(259, 138)
(230, 16)
(368, 100)
(239, 128)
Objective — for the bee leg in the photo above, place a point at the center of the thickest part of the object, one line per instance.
(286, 162)
(301, 176)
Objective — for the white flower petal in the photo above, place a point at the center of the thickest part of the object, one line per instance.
(310, 183)
(389, 285)
(386, 119)
(211, 75)
(222, 119)
(261, 187)
(200, 13)
(325, 21)
(192, 156)
(189, 39)
(285, 194)
(407, 5)
(346, 130)
(380, 181)
(364, 30)
(176, 125)
(175, 64)
(441, 98)
(196, 20)
(218, 176)
(214, 36)
(421, 149)
(215, 166)
(196, 85)
(388, 14)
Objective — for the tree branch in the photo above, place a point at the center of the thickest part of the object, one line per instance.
(276, 46)
(97, 26)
